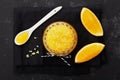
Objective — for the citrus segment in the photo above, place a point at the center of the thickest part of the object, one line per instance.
(88, 52)
(91, 22)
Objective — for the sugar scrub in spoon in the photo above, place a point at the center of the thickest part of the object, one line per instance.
(23, 36)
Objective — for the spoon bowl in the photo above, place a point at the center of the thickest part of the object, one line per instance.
(22, 37)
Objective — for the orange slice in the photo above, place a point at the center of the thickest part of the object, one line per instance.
(60, 38)
(91, 22)
(88, 52)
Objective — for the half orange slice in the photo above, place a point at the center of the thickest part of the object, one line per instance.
(88, 52)
(91, 22)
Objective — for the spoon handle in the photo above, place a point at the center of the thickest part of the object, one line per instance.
(46, 17)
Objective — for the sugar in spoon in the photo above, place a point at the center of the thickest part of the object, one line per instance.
(23, 36)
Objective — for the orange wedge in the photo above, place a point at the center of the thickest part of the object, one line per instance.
(88, 52)
(91, 22)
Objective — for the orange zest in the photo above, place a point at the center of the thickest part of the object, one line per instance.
(60, 38)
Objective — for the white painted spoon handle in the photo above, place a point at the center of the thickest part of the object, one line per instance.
(46, 17)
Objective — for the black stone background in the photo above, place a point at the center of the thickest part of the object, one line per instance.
(110, 21)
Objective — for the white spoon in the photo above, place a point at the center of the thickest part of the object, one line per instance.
(23, 36)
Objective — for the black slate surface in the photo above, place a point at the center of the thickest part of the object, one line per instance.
(26, 17)
(111, 23)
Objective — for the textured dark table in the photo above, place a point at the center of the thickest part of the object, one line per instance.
(111, 22)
